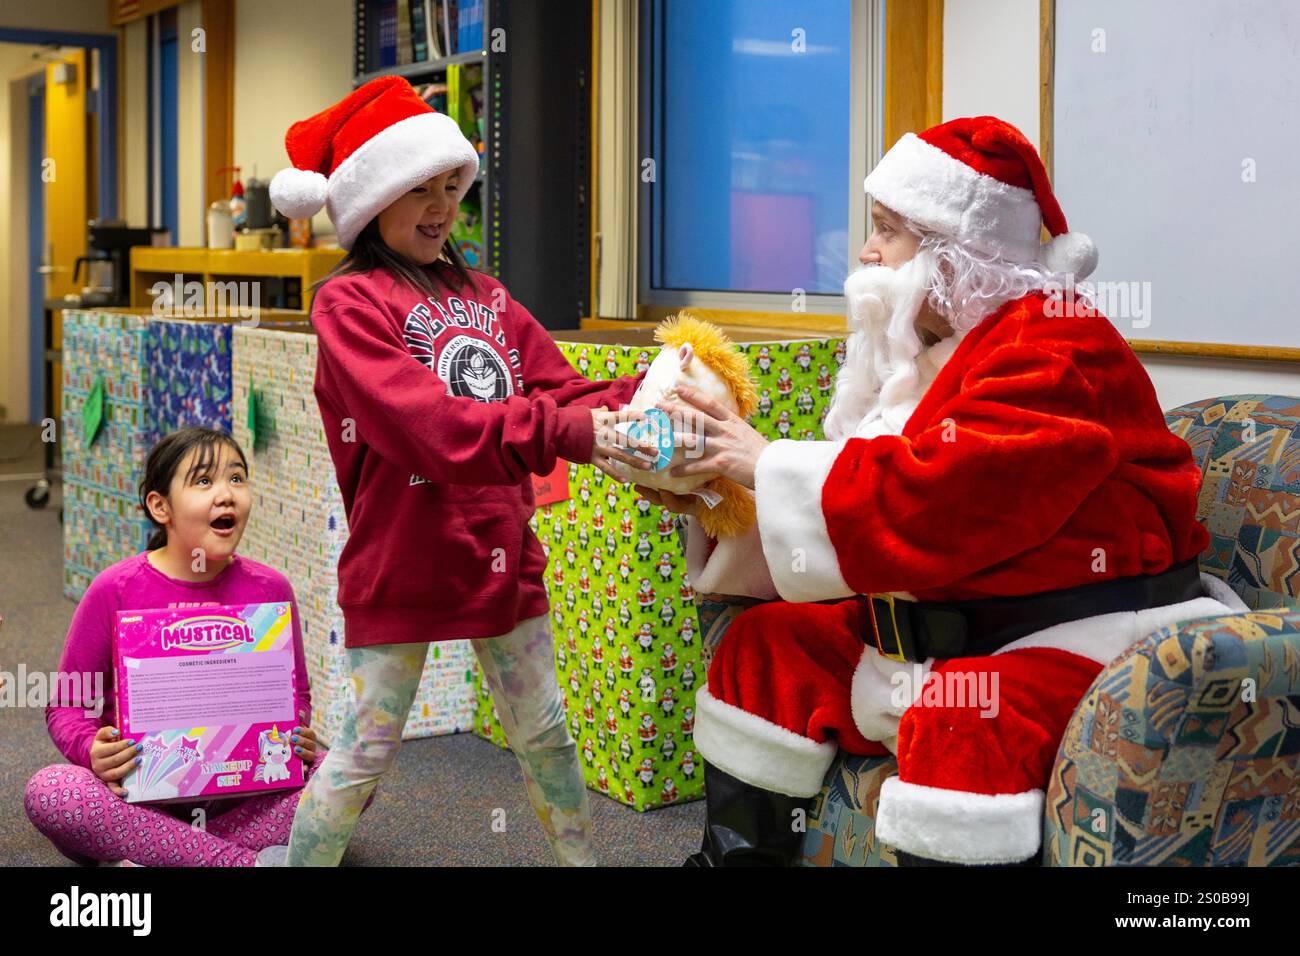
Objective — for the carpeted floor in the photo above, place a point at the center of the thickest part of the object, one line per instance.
(436, 808)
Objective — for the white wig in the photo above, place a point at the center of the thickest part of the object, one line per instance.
(968, 284)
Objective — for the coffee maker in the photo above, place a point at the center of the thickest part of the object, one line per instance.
(108, 266)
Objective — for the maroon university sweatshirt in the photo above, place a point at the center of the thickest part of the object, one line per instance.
(437, 412)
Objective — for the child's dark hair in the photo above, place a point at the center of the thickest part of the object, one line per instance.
(369, 251)
(166, 456)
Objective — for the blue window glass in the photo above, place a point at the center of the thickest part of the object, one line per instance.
(749, 110)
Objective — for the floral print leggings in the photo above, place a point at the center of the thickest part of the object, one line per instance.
(87, 822)
(519, 668)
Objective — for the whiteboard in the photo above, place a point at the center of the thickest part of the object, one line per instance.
(1177, 148)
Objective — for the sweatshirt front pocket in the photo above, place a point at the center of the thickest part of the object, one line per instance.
(446, 545)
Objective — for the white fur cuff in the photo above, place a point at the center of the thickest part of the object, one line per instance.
(882, 689)
(758, 751)
(958, 827)
(735, 566)
(788, 481)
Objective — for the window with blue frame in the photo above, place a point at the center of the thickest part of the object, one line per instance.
(747, 118)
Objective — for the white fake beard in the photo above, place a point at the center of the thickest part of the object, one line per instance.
(880, 372)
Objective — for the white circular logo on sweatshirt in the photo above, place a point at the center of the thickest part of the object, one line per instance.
(472, 369)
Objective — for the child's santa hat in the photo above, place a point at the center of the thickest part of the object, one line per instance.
(979, 181)
(375, 144)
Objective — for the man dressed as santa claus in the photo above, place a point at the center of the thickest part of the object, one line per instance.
(997, 511)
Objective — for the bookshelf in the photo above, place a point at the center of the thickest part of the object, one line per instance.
(516, 79)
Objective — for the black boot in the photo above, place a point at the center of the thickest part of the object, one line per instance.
(747, 826)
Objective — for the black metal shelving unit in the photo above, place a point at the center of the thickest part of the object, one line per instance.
(534, 171)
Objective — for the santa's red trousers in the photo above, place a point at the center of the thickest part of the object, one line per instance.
(972, 765)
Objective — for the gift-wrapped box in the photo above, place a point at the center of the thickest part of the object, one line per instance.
(102, 523)
(158, 375)
(187, 375)
(298, 526)
(627, 624)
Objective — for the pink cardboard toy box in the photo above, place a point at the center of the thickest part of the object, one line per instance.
(210, 693)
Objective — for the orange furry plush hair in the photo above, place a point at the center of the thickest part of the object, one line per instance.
(735, 513)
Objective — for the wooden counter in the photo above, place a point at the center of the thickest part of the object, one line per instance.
(286, 274)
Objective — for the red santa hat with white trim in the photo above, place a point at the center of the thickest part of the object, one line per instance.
(979, 181)
(365, 151)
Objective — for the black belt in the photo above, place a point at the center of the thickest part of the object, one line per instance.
(915, 630)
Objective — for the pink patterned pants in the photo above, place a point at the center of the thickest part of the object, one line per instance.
(86, 822)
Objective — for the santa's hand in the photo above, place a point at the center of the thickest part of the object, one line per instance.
(609, 445)
(716, 439)
(677, 504)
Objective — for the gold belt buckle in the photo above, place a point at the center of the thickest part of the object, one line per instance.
(893, 619)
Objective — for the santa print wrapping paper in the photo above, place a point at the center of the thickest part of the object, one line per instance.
(298, 527)
(209, 695)
(629, 650)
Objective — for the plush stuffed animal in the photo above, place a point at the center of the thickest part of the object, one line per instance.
(699, 354)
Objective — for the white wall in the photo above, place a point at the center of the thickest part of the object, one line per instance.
(278, 83)
(133, 124)
(990, 65)
(990, 61)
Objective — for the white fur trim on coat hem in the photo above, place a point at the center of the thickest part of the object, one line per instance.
(757, 751)
(788, 481)
(881, 690)
(1104, 637)
(735, 566)
(959, 827)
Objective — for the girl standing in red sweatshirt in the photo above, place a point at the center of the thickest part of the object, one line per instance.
(440, 397)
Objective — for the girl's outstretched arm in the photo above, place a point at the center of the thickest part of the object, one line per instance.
(547, 371)
(404, 411)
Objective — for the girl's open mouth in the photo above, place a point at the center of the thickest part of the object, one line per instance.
(224, 525)
(430, 232)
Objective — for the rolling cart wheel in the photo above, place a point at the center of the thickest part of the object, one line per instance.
(38, 496)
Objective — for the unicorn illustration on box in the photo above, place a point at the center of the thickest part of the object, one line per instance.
(273, 753)
(699, 354)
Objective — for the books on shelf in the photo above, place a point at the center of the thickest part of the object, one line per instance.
(419, 32)
(448, 13)
(404, 32)
(404, 52)
(469, 25)
(387, 30)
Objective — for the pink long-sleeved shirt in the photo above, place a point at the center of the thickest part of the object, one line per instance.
(134, 584)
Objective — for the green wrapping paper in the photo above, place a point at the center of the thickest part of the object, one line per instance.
(629, 647)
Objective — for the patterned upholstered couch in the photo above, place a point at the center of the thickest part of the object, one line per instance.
(1172, 757)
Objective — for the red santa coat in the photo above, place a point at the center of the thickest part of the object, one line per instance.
(1035, 458)
(1039, 441)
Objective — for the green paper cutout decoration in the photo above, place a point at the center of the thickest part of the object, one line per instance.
(252, 415)
(92, 413)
